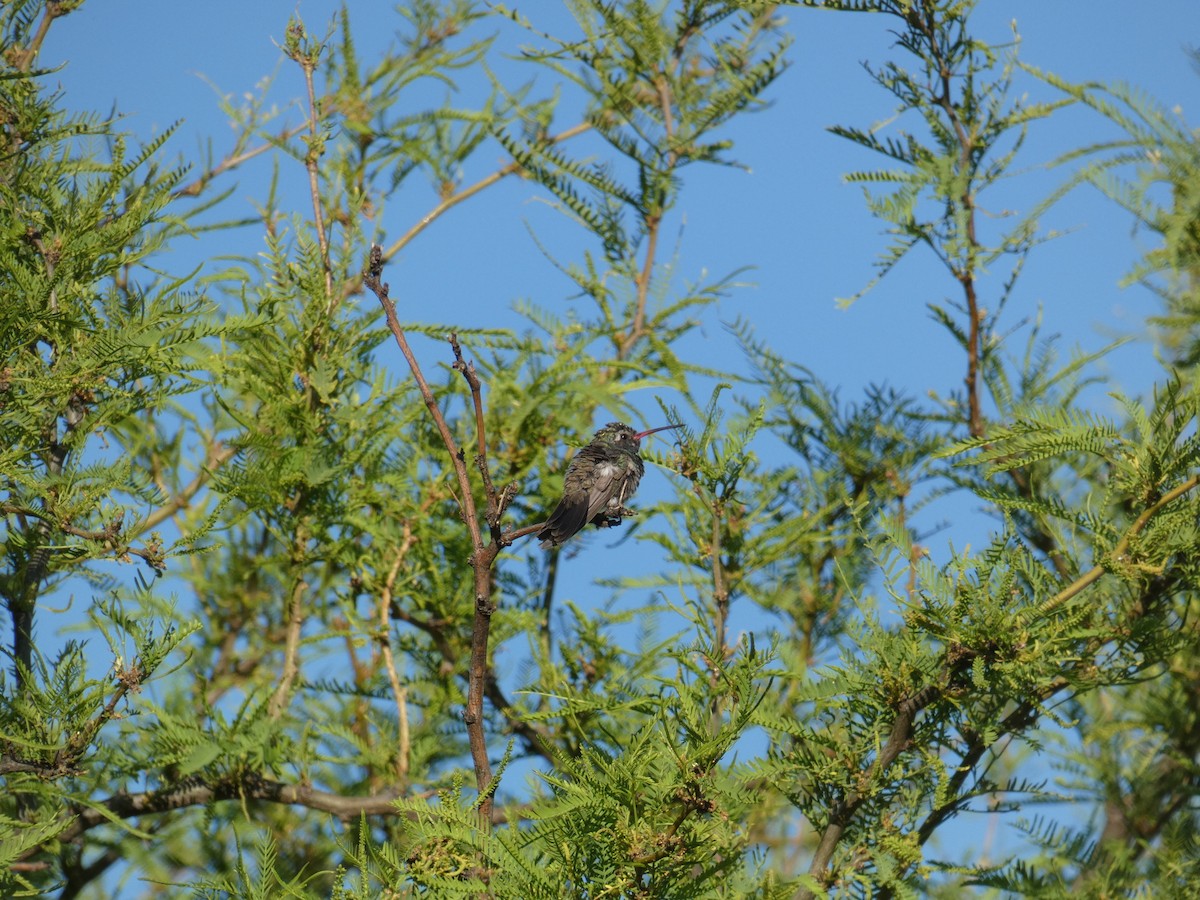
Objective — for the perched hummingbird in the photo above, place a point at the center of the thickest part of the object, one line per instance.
(601, 477)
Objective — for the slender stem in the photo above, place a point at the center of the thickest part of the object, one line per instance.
(468, 192)
(509, 536)
(247, 787)
(1039, 534)
(291, 652)
(547, 605)
(638, 325)
(235, 159)
(308, 63)
(217, 457)
(495, 501)
(22, 601)
(1118, 552)
(537, 740)
(23, 58)
(921, 17)
(720, 611)
(652, 221)
(238, 787)
(399, 692)
(843, 812)
(720, 590)
(380, 289)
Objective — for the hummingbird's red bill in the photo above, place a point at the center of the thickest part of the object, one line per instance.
(642, 434)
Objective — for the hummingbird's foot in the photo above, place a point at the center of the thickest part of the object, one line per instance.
(611, 518)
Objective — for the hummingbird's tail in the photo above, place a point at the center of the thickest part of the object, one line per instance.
(566, 521)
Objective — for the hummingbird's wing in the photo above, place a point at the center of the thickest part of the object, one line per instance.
(579, 505)
(606, 488)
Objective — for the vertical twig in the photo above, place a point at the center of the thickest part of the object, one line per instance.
(720, 590)
(291, 652)
(721, 610)
(652, 221)
(920, 17)
(843, 812)
(399, 692)
(363, 671)
(307, 55)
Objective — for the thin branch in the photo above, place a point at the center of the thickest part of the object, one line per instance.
(437, 629)
(1017, 720)
(307, 57)
(23, 58)
(720, 590)
(1117, 554)
(843, 812)
(544, 625)
(664, 843)
(494, 508)
(538, 740)
(721, 608)
(22, 600)
(468, 192)
(482, 555)
(509, 536)
(78, 876)
(198, 792)
(111, 536)
(479, 673)
(920, 17)
(240, 788)
(217, 457)
(291, 652)
(380, 289)
(400, 694)
(1038, 534)
(233, 160)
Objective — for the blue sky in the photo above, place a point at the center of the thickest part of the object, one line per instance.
(805, 233)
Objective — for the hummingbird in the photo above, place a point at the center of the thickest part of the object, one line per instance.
(601, 477)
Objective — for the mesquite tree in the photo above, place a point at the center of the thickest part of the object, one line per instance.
(266, 524)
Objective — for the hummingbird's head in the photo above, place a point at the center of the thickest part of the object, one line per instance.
(623, 436)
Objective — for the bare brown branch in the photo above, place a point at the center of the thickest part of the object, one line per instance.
(468, 192)
(198, 792)
(234, 159)
(482, 556)
(22, 59)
